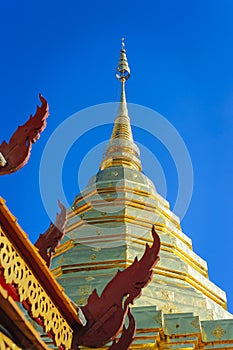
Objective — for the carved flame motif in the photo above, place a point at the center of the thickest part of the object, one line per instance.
(51, 238)
(127, 335)
(105, 314)
(16, 153)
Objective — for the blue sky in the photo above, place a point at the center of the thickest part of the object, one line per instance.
(181, 55)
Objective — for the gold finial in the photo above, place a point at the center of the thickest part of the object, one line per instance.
(123, 70)
(122, 43)
(121, 149)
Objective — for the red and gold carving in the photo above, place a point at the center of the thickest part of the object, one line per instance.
(16, 276)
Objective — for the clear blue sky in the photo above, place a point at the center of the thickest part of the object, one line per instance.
(181, 57)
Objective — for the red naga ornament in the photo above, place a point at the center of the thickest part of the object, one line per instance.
(127, 335)
(105, 314)
(51, 238)
(15, 154)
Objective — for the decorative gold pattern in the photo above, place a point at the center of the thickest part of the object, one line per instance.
(89, 278)
(96, 249)
(98, 232)
(81, 301)
(85, 290)
(61, 261)
(196, 323)
(7, 344)
(170, 308)
(165, 294)
(210, 315)
(16, 271)
(218, 332)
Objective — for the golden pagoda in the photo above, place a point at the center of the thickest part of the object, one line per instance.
(110, 222)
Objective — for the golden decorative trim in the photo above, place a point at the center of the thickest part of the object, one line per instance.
(172, 248)
(63, 248)
(135, 191)
(26, 250)
(127, 219)
(29, 289)
(132, 203)
(186, 258)
(120, 162)
(193, 282)
(113, 218)
(7, 344)
(159, 270)
(57, 272)
(164, 247)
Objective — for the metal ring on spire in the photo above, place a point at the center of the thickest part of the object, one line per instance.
(123, 70)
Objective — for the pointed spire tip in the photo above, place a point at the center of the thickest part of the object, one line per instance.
(122, 43)
(123, 70)
(122, 74)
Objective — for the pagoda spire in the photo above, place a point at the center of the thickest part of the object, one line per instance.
(121, 149)
(123, 74)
